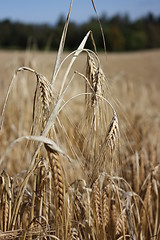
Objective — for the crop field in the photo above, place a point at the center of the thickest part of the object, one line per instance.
(80, 145)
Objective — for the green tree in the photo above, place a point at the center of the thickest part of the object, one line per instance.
(115, 38)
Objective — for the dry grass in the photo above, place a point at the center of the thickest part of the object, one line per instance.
(99, 177)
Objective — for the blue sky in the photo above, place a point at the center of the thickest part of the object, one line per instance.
(48, 11)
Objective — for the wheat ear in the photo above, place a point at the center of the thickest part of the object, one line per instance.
(74, 234)
(97, 202)
(6, 198)
(46, 92)
(112, 136)
(58, 182)
(105, 207)
(113, 213)
(96, 78)
(121, 225)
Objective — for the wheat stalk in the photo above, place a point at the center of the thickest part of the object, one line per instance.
(95, 77)
(46, 94)
(121, 225)
(105, 207)
(146, 206)
(74, 234)
(97, 202)
(6, 198)
(112, 136)
(58, 182)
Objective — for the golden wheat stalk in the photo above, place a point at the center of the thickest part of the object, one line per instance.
(96, 78)
(146, 207)
(105, 207)
(114, 213)
(58, 182)
(97, 202)
(6, 198)
(42, 191)
(46, 93)
(74, 234)
(121, 225)
(112, 136)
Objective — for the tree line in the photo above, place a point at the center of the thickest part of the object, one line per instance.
(120, 32)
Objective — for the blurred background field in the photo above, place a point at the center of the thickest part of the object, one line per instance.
(133, 80)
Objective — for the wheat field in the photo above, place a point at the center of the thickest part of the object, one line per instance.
(80, 145)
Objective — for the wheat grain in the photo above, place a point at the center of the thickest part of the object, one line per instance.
(121, 225)
(105, 207)
(58, 182)
(97, 202)
(74, 234)
(112, 136)
(114, 213)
